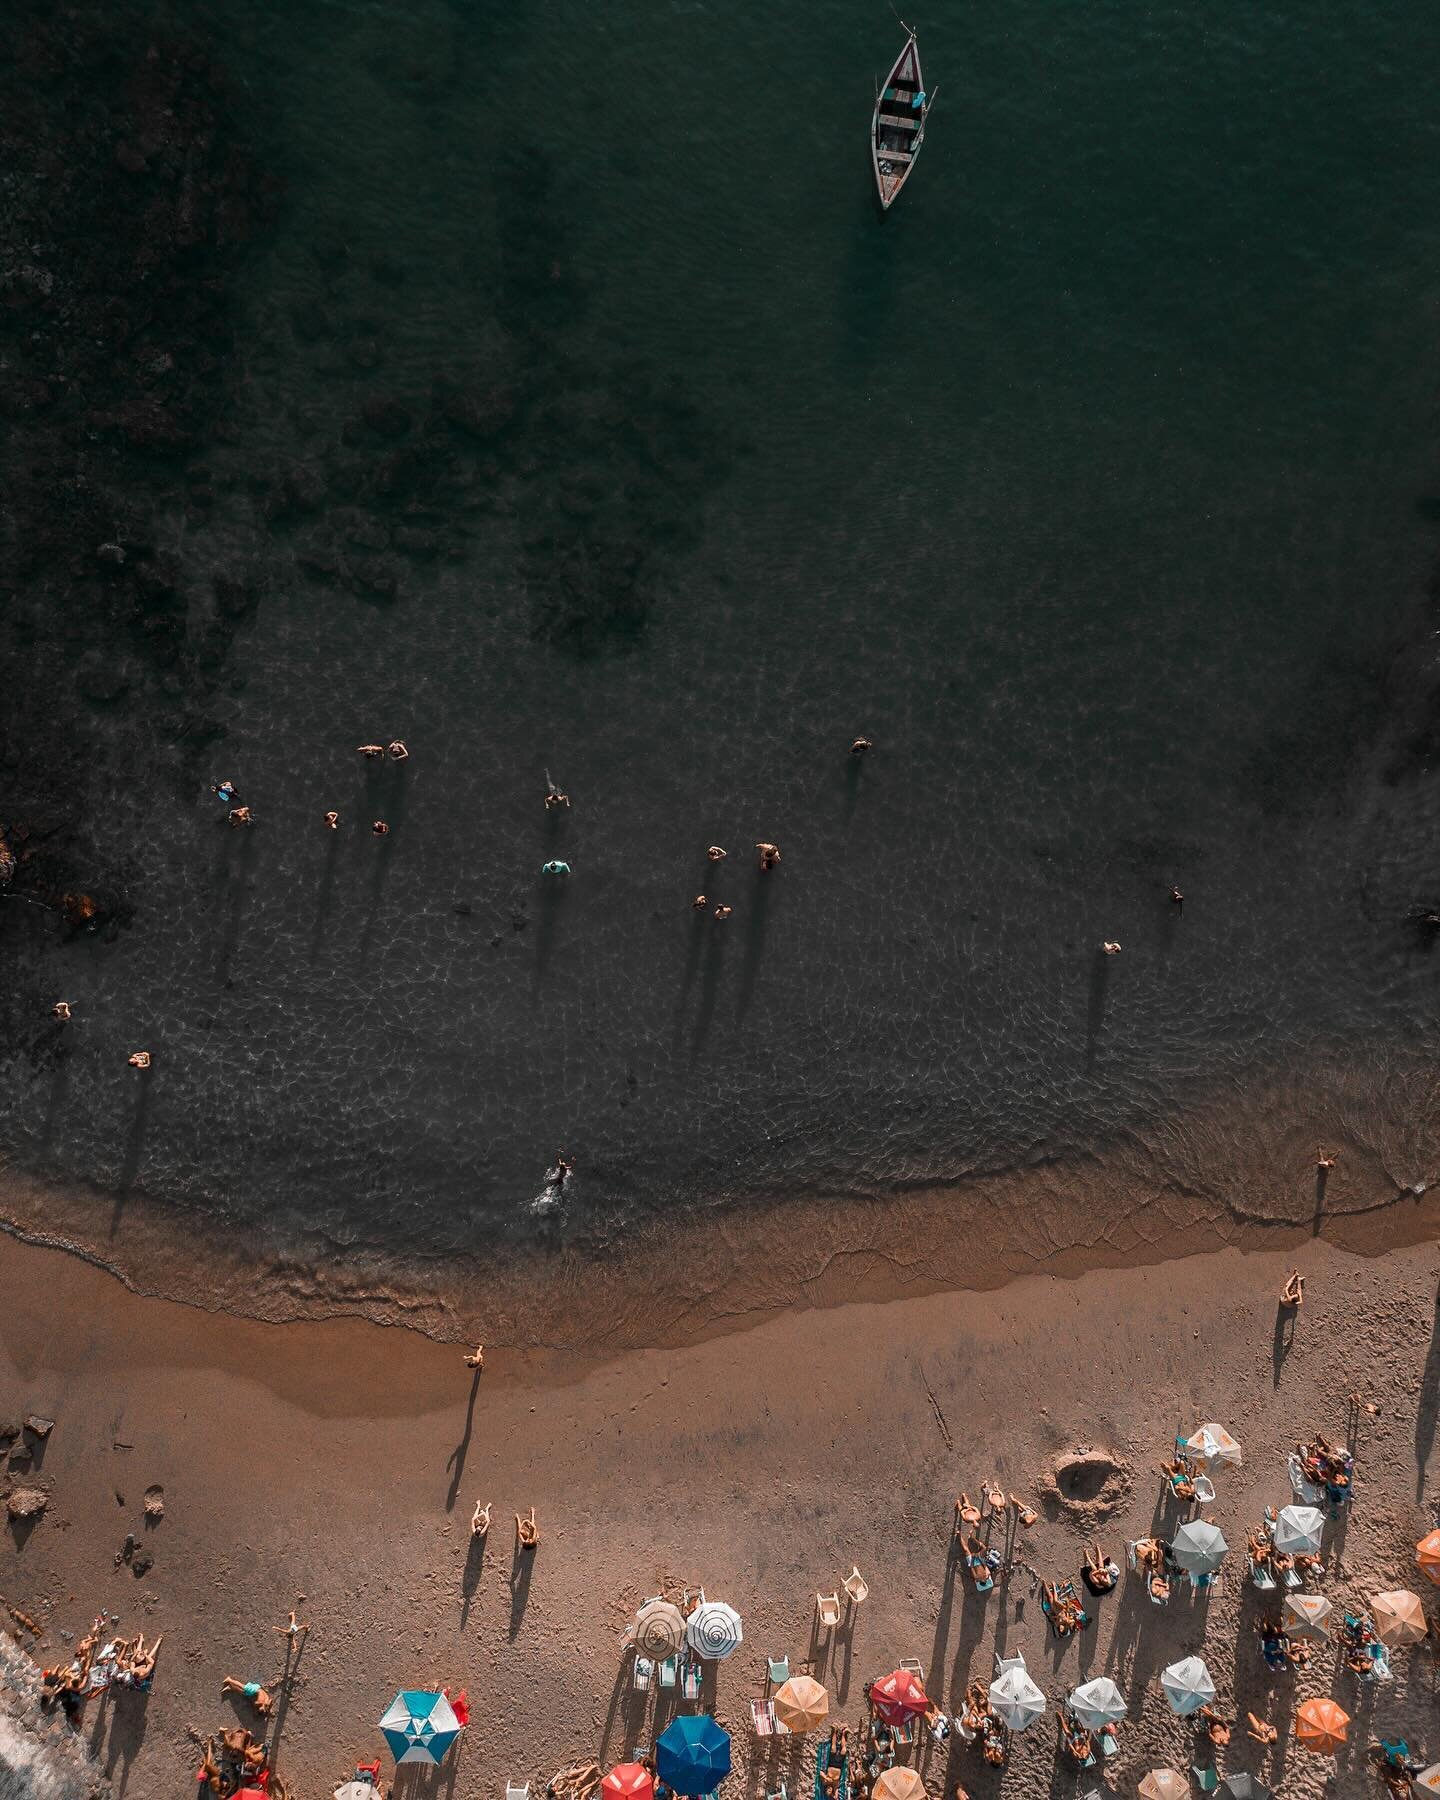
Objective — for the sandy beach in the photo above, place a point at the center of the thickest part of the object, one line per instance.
(340, 1461)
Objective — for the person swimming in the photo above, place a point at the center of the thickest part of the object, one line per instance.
(555, 867)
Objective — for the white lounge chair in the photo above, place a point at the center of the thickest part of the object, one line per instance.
(827, 1610)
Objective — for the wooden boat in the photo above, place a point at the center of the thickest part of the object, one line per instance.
(897, 129)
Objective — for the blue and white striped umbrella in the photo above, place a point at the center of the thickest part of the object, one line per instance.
(419, 1726)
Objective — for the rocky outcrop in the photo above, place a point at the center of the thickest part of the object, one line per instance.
(41, 1758)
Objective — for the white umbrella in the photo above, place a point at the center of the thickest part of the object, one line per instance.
(1198, 1547)
(1187, 1685)
(1215, 1444)
(1164, 1784)
(1098, 1703)
(1305, 1615)
(714, 1630)
(1015, 1698)
(1428, 1780)
(1298, 1530)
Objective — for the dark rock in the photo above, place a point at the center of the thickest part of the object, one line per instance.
(141, 1563)
(9, 1428)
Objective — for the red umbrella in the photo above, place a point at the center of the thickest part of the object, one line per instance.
(899, 1697)
(628, 1781)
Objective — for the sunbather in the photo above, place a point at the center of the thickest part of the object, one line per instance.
(1149, 1555)
(476, 1358)
(839, 1742)
(1076, 1741)
(1026, 1514)
(527, 1531)
(1293, 1292)
(480, 1519)
(1262, 1731)
(209, 1771)
(830, 1781)
(966, 1513)
(1309, 1566)
(1157, 1586)
(1098, 1571)
(992, 1496)
(1214, 1727)
(992, 1742)
(1181, 1478)
(259, 1697)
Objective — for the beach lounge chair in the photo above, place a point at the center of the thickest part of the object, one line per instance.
(779, 1670)
(822, 1763)
(1109, 1743)
(763, 1714)
(514, 1791)
(1207, 1780)
(1260, 1576)
(1204, 1490)
(827, 1610)
(911, 1667)
(644, 1670)
(856, 1586)
(669, 1671)
(690, 1680)
(1003, 1664)
(1303, 1490)
(777, 1793)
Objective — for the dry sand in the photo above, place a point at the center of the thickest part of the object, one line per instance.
(340, 1460)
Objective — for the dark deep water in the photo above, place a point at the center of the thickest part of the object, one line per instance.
(540, 384)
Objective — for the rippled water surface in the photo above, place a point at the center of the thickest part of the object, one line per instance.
(583, 415)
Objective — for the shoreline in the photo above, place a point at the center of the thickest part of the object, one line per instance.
(1230, 1176)
(761, 1464)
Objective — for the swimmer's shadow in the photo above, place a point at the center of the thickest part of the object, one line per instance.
(462, 1449)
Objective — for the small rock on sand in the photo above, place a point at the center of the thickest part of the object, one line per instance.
(155, 1503)
(27, 1503)
(41, 1427)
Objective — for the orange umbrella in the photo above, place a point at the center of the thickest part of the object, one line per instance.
(899, 1783)
(1427, 1554)
(628, 1781)
(898, 1697)
(1322, 1726)
(1399, 1618)
(801, 1703)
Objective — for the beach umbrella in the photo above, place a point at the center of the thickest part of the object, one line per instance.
(1322, 1726)
(659, 1629)
(1098, 1703)
(899, 1783)
(1198, 1547)
(628, 1781)
(692, 1753)
(1215, 1444)
(1245, 1786)
(1305, 1615)
(899, 1697)
(1399, 1618)
(1298, 1529)
(419, 1726)
(801, 1704)
(714, 1630)
(1015, 1699)
(1187, 1685)
(1428, 1780)
(1164, 1784)
(1427, 1554)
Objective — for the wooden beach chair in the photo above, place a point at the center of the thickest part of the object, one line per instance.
(762, 1712)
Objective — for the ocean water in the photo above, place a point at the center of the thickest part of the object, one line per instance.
(579, 412)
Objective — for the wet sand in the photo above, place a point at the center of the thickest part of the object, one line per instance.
(340, 1461)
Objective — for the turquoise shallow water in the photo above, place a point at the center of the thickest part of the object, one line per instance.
(586, 415)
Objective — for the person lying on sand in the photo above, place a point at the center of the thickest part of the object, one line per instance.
(992, 1496)
(526, 1530)
(259, 1697)
(209, 1771)
(141, 1662)
(1214, 1727)
(480, 1519)
(966, 1513)
(830, 1782)
(1026, 1514)
(1176, 897)
(1293, 1292)
(476, 1359)
(1261, 1731)
(839, 1741)
(1149, 1555)
(290, 1629)
(1099, 1572)
(1181, 1478)
(1075, 1740)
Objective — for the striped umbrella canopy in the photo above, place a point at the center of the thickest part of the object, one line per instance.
(1015, 1699)
(628, 1781)
(714, 1631)
(692, 1754)
(898, 1697)
(1305, 1615)
(1299, 1528)
(419, 1726)
(1098, 1703)
(1215, 1444)
(801, 1704)
(1187, 1686)
(1164, 1784)
(1199, 1547)
(659, 1628)
(1322, 1726)
(1399, 1618)
(1427, 1554)
(899, 1783)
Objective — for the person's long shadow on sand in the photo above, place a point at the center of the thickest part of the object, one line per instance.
(1429, 1406)
(474, 1569)
(1283, 1341)
(462, 1449)
(134, 1144)
(282, 1696)
(129, 1716)
(1095, 1014)
(754, 941)
(522, 1570)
